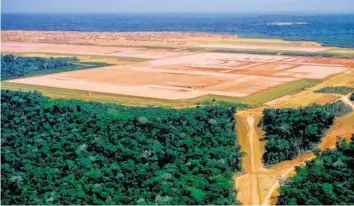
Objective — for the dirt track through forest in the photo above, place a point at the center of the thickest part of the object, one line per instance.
(258, 185)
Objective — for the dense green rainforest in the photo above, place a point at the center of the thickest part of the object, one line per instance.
(291, 131)
(75, 152)
(326, 180)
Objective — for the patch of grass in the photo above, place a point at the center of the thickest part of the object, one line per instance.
(279, 91)
(336, 90)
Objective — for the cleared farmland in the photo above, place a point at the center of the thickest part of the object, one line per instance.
(165, 71)
(173, 75)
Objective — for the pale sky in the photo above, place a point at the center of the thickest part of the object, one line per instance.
(136, 6)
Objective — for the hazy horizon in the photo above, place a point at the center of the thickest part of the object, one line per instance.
(290, 7)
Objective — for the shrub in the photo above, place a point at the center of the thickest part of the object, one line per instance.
(336, 90)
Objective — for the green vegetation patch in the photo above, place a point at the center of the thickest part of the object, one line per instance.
(336, 90)
(74, 152)
(326, 180)
(13, 67)
(291, 131)
(279, 91)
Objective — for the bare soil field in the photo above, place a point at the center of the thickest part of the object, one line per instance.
(265, 47)
(176, 75)
(148, 39)
(252, 64)
(87, 50)
(161, 84)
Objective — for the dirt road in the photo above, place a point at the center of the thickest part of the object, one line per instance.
(247, 184)
(258, 185)
(347, 101)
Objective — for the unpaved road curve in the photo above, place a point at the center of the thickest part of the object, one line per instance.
(347, 101)
(258, 185)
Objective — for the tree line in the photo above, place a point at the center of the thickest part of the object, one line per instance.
(13, 67)
(75, 152)
(288, 132)
(326, 180)
(336, 90)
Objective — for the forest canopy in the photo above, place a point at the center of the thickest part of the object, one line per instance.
(74, 152)
(291, 131)
(326, 180)
(13, 67)
(336, 90)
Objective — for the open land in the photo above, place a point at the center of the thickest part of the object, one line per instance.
(177, 41)
(174, 74)
(140, 39)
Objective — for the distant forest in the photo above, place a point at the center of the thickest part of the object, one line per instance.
(326, 180)
(13, 67)
(291, 131)
(75, 152)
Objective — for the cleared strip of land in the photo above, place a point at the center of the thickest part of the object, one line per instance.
(263, 47)
(87, 50)
(160, 84)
